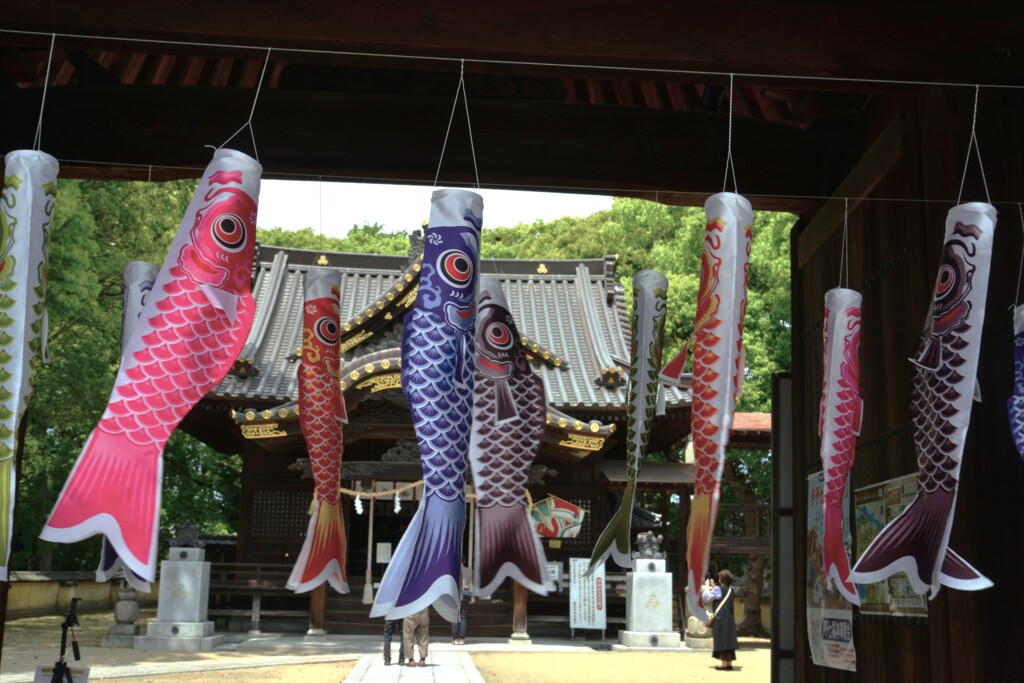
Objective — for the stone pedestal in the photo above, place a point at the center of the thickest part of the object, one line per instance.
(181, 623)
(126, 611)
(698, 635)
(649, 607)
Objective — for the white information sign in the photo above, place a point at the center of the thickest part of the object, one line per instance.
(79, 674)
(383, 553)
(587, 603)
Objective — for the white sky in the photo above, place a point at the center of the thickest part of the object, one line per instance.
(297, 204)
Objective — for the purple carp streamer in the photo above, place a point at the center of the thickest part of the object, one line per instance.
(188, 336)
(717, 370)
(509, 412)
(137, 283)
(437, 379)
(838, 426)
(650, 290)
(942, 388)
(1015, 404)
(26, 214)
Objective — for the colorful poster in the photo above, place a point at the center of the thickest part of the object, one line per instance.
(557, 518)
(829, 615)
(877, 505)
(587, 600)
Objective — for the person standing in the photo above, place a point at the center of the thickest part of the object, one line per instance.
(389, 631)
(723, 623)
(459, 627)
(416, 633)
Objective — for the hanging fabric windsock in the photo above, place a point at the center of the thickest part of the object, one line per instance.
(943, 385)
(838, 426)
(509, 412)
(1015, 404)
(437, 379)
(717, 370)
(650, 289)
(137, 283)
(188, 336)
(321, 414)
(26, 214)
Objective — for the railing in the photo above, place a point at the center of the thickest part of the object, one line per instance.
(229, 581)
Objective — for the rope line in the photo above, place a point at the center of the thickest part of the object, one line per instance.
(255, 99)
(974, 143)
(729, 165)
(461, 88)
(1020, 272)
(582, 189)
(38, 140)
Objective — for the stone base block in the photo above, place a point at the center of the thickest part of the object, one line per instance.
(649, 639)
(175, 636)
(699, 642)
(121, 635)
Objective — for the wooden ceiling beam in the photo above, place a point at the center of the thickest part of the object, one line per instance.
(396, 138)
(982, 41)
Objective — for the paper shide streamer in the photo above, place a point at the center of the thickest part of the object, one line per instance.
(188, 336)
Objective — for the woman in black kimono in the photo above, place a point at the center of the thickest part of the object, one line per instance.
(723, 625)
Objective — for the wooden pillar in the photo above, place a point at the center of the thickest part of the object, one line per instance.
(684, 516)
(317, 610)
(519, 634)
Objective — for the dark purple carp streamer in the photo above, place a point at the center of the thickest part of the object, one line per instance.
(509, 413)
(941, 394)
(437, 379)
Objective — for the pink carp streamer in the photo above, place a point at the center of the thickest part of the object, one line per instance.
(26, 215)
(187, 338)
(136, 284)
(717, 369)
(941, 394)
(838, 426)
(509, 413)
(321, 414)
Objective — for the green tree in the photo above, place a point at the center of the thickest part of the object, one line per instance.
(361, 239)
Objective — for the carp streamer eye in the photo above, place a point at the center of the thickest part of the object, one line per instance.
(229, 231)
(455, 267)
(326, 330)
(499, 336)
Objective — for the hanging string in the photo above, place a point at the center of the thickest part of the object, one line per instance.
(255, 99)
(138, 233)
(728, 157)
(844, 254)
(974, 143)
(38, 140)
(1020, 272)
(451, 117)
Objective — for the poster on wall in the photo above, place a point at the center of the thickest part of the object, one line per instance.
(829, 615)
(587, 598)
(877, 505)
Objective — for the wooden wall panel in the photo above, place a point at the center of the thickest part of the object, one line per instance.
(895, 249)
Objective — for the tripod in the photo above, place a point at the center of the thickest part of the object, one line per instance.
(61, 671)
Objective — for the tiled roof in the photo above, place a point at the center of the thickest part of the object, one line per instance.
(574, 309)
